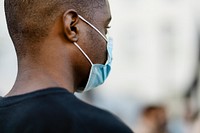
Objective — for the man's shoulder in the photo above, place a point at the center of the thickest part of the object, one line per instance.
(60, 110)
(60, 104)
(69, 110)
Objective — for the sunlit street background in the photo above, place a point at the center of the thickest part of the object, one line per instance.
(156, 62)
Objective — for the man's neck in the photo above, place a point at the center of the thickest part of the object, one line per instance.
(38, 78)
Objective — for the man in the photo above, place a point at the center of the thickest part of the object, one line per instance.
(153, 120)
(61, 48)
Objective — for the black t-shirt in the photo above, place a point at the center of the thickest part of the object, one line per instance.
(55, 110)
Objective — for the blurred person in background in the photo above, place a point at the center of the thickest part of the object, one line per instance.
(191, 105)
(196, 126)
(62, 48)
(153, 120)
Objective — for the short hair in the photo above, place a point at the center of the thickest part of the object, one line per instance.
(30, 21)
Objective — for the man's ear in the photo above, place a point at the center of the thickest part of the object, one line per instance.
(70, 21)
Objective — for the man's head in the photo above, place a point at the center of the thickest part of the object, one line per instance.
(52, 26)
(30, 21)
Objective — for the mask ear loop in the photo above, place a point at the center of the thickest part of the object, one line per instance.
(96, 30)
(92, 27)
(83, 53)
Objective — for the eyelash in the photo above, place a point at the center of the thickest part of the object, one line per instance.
(108, 27)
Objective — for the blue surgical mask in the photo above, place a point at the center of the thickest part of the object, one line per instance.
(99, 72)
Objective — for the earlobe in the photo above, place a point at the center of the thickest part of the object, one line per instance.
(70, 21)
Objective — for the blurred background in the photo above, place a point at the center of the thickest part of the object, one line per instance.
(154, 83)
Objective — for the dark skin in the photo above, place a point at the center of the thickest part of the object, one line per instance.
(60, 63)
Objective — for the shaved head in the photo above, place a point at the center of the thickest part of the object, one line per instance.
(30, 21)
